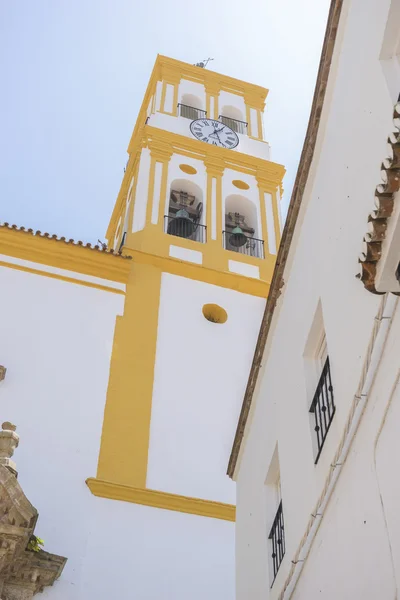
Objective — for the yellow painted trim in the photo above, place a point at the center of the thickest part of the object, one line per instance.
(133, 197)
(170, 68)
(263, 212)
(206, 273)
(188, 169)
(163, 191)
(259, 124)
(163, 94)
(57, 253)
(248, 119)
(216, 106)
(276, 219)
(179, 144)
(153, 104)
(150, 190)
(156, 499)
(219, 209)
(103, 288)
(208, 105)
(209, 206)
(126, 425)
(175, 99)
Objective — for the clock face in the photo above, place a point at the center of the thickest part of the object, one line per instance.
(214, 132)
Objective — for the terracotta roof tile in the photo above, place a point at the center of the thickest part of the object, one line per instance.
(384, 204)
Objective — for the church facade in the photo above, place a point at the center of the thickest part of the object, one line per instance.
(125, 365)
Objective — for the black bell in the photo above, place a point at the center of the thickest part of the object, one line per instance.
(237, 238)
(182, 225)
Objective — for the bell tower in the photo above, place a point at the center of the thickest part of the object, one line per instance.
(198, 213)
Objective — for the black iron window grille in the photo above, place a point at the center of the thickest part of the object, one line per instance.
(323, 407)
(190, 112)
(251, 246)
(277, 537)
(185, 228)
(234, 124)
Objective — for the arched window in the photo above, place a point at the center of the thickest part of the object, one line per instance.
(191, 107)
(241, 226)
(185, 211)
(234, 118)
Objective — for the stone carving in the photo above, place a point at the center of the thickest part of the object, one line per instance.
(2, 372)
(23, 573)
(9, 440)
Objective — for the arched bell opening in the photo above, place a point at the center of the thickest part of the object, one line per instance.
(191, 107)
(234, 118)
(241, 227)
(185, 211)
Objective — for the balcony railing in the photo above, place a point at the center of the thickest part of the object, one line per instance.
(189, 112)
(323, 407)
(238, 126)
(185, 228)
(277, 537)
(251, 246)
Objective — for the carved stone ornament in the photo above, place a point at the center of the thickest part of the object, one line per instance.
(23, 573)
(2, 372)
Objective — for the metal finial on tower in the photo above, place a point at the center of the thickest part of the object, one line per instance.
(203, 63)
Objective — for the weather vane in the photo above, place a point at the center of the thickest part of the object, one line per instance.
(203, 63)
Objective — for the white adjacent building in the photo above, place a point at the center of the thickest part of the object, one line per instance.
(317, 450)
(126, 366)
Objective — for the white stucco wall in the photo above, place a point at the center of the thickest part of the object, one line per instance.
(56, 341)
(351, 556)
(200, 377)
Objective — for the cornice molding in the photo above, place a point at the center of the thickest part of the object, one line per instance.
(156, 499)
(212, 154)
(210, 78)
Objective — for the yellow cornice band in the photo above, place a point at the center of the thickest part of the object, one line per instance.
(62, 255)
(225, 279)
(156, 499)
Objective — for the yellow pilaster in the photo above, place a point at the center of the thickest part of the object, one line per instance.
(160, 153)
(276, 218)
(212, 91)
(215, 170)
(248, 119)
(170, 77)
(126, 425)
(259, 123)
(256, 102)
(268, 186)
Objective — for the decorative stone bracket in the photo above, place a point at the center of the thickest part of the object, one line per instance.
(23, 573)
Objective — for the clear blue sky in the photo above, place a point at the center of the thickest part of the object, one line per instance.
(73, 75)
